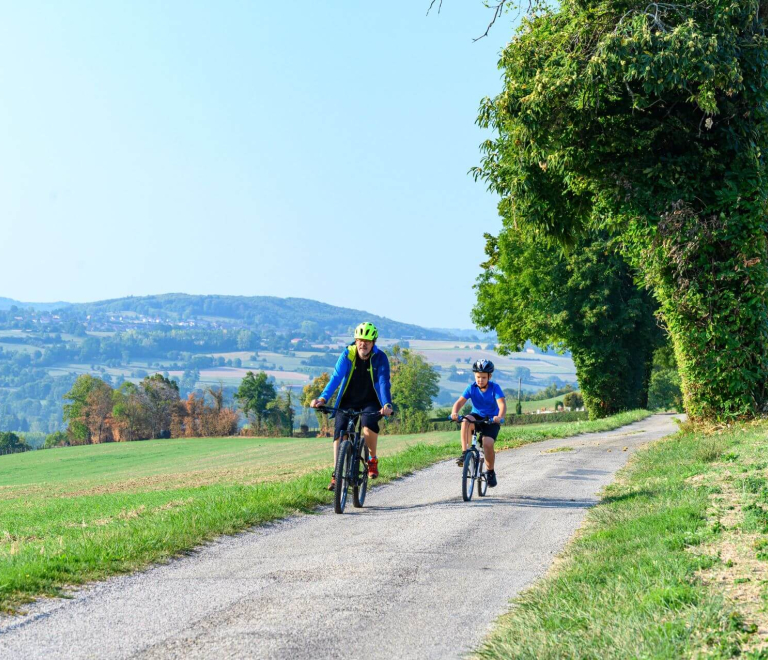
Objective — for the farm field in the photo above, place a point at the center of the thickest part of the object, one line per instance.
(82, 513)
(233, 375)
(533, 406)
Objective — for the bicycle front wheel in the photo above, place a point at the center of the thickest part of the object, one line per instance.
(343, 471)
(482, 484)
(468, 476)
(361, 485)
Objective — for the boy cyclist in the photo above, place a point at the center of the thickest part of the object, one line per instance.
(487, 401)
(362, 376)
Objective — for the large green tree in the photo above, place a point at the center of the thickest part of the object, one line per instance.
(254, 394)
(76, 411)
(160, 400)
(583, 300)
(649, 122)
(414, 381)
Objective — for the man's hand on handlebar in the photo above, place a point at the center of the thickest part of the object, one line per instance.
(316, 403)
(386, 411)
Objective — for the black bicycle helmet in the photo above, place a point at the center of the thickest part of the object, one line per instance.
(483, 367)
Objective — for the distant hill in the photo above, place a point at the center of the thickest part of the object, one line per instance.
(7, 303)
(281, 314)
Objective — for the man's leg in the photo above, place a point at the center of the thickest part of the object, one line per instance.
(338, 433)
(335, 451)
(371, 440)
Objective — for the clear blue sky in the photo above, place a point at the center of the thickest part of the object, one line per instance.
(306, 149)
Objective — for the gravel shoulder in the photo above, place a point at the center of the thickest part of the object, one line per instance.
(417, 573)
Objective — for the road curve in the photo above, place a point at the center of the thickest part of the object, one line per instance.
(415, 574)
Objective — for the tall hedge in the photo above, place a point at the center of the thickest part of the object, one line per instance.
(649, 122)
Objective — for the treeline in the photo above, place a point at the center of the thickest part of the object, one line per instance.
(30, 398)
(97, 413)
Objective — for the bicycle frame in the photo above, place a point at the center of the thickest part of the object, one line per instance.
(475, 454)
(355, 433)
(350, 464)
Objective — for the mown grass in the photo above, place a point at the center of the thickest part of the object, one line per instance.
(72, 515)
(634, 584)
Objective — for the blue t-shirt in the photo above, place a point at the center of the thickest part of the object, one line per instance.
(484, 403)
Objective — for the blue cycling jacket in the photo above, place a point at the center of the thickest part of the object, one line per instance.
(378, 367)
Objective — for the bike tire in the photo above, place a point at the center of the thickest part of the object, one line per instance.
(468, 477)
(343, 464)
(482, 484)
(360, 489)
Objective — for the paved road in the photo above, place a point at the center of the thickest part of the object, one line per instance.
(416, 574)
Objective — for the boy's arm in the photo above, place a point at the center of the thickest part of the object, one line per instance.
(502, 403)
(457, 406)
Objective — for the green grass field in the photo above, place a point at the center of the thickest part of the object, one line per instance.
(672, 564)
(533, 406)
(82, 513)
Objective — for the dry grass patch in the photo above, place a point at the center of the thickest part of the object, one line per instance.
(740, 575)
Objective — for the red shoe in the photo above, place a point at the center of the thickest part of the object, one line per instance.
(332, 485)
(373, 468)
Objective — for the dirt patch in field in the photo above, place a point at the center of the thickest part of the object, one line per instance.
(738, 575)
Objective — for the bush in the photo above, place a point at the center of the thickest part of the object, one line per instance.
(57, 439)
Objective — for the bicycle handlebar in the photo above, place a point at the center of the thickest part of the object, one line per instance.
(476, 419)
(347, 411)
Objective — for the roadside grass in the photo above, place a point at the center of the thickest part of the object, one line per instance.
(72, 515)
(671, 563)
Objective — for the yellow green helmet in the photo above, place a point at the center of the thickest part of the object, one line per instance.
(366, 331)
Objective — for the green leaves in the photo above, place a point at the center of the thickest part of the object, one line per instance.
(583, 300)
(648, 122)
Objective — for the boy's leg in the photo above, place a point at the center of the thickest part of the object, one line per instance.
(490, 453)
(466, 434)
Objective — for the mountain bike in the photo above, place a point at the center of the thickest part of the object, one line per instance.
(474, 459)
(351, 462)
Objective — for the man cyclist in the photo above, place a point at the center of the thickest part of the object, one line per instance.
(487, 401)
(362, 376)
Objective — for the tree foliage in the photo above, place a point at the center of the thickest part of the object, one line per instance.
(664, 392)
(76, 411)
(584, 300)
(313, 391)
(414, 381)
(9, 441)
(253, 395)
(649, 122)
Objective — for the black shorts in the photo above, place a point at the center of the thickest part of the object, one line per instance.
(370, 420)
(489, 430)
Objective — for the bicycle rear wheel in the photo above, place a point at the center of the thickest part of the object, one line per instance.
(361, 487)
(343, 470)
(468, 476)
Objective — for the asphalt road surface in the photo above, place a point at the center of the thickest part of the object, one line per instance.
(417, 573)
